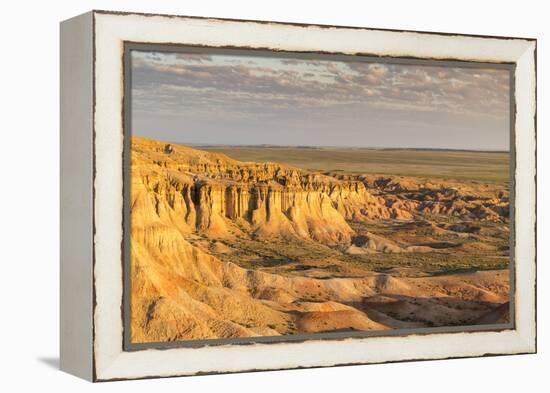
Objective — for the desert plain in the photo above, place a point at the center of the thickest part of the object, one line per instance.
(250, 241)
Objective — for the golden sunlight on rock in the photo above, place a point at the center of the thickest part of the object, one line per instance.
(222, 248)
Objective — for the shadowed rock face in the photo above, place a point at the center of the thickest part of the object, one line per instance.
(183, 200)
(211, 190)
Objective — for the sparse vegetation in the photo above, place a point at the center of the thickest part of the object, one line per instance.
(447, 164)
(239, 249)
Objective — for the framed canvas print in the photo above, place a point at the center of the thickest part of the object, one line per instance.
(245, 195)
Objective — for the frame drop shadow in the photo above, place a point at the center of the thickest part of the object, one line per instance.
(50, 361)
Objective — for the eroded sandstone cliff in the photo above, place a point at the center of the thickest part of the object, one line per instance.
(187, 206)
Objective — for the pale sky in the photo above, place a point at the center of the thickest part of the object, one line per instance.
(250, 100)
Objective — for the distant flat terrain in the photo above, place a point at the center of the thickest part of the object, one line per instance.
(446, 164)
(222, 248)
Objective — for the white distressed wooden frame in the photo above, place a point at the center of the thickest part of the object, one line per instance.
(92, 196)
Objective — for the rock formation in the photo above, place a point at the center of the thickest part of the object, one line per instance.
(189, 206)
(210, 193)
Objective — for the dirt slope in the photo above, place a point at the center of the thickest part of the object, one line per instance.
(194, 213)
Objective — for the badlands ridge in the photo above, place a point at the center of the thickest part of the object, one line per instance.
(222, 249)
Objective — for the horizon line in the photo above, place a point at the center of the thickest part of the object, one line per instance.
(271, 145)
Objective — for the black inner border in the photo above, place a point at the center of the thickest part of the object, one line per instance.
(264, 52)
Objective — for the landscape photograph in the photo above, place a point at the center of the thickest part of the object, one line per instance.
(279, 195)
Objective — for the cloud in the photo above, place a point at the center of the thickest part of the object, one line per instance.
(193, 57)
(199, 86)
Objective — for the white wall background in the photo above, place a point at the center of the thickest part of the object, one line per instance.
(29, 182)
